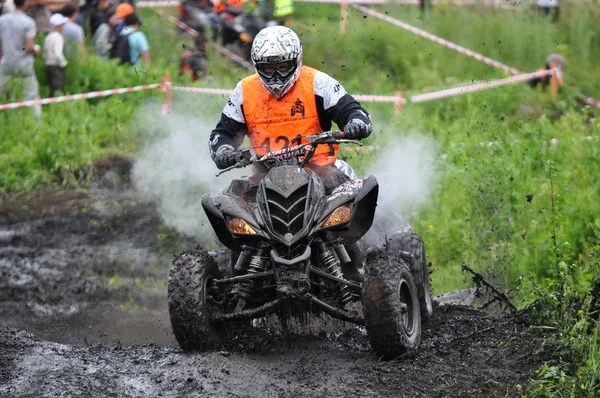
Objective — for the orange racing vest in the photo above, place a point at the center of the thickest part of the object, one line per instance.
(278, 124)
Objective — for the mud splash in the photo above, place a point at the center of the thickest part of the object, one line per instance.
(83, 313)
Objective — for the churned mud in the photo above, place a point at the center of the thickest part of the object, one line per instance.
(83, 312)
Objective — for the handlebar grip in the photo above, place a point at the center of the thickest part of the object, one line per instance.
(338, 135)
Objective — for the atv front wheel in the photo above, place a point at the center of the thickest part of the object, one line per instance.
(412, 243)
(391, 306)
(190, 280)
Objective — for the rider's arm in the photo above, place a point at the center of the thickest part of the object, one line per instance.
(231, 129)
(334, 104)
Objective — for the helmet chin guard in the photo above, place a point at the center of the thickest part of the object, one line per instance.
(277, 57)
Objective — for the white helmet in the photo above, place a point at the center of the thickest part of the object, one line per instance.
(277, 57)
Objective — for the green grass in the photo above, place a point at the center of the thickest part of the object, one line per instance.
(478, 212)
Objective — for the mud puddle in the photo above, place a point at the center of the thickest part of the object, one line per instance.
(83, 313)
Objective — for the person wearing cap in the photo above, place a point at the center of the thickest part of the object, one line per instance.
(121, 12)
(17, 50)
(73, 32)
(56, 63)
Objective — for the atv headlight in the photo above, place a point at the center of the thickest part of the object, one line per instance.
(339, 216)
(239, 226)
(245, 37)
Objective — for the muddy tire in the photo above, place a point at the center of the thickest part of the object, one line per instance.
(189, 277)
(391, 306)
(412, 243)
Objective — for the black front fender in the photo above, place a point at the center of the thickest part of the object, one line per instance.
(363, 200)
(217, 206)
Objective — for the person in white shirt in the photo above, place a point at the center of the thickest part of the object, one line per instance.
(56, 63)
(547, 7)
(17, 50)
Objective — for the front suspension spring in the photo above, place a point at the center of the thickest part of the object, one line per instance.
(257, 265)
(332, 266)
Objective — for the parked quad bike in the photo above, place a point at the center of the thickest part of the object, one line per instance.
(295, 251)
(198, 17)
(240, 31)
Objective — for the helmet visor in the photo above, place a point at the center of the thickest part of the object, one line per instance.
(282, 68)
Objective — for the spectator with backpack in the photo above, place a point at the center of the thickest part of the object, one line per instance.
(131, 45)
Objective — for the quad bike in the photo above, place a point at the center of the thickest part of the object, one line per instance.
(239, 32)
(197, 16)
(294, 250)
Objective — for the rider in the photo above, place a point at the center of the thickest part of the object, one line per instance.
(283, 103)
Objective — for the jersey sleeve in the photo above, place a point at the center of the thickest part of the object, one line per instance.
(334, 104)
(231, 129)
(30, 30)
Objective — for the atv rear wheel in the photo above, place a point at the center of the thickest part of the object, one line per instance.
(412, 243)
(391, 306)
(190, 279)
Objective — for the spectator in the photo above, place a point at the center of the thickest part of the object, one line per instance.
(17, 50)
(72, 32)
(56, 63)
(99, 15)
(105, 35)
(121, 12)
(7, 6)
(549, 6)
(40, 11)
(553, 61)
(195, 59)
(277, 10)
(136, 43)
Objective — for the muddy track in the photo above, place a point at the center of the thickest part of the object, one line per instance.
(83, 313)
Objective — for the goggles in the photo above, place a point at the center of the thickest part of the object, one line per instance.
(282, 68)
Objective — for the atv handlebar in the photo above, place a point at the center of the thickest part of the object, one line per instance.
(306, 151)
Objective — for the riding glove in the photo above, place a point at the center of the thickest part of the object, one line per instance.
(357, 129)
(226, 157)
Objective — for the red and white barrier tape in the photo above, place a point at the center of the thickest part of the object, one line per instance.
(154, 4)
(416, 98)
(437, 39)
(205, 90)
(480, 86)
(73, 97)
(359, 97)
(173, 3)
(456, 47)
(195, 33)
(380, 98)
(591, 101)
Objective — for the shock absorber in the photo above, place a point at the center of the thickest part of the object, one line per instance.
(332, 266)
(256, 265)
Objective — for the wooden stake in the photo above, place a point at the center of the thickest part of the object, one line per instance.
(399, 104)
(343, 17)
(554, 83)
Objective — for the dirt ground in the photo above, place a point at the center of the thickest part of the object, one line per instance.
(83, 312)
